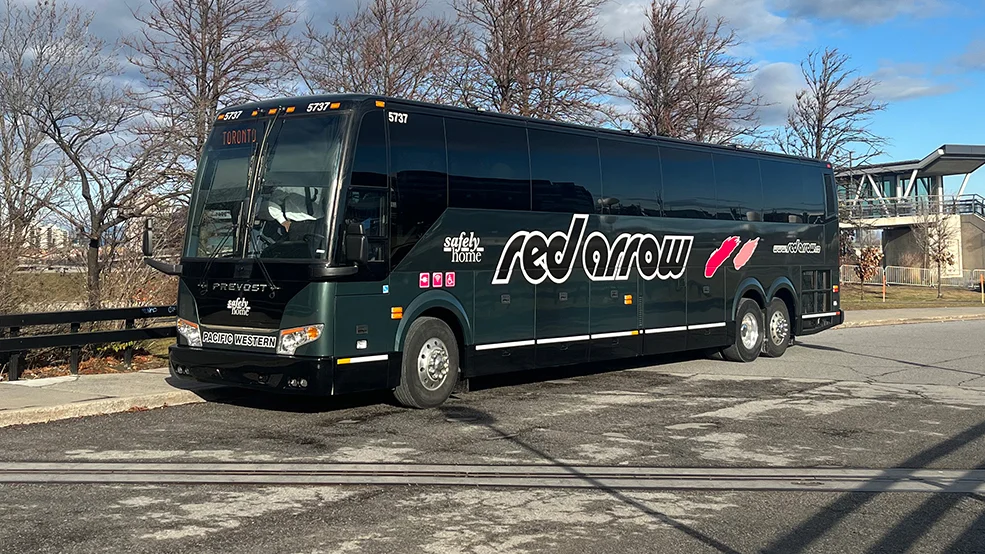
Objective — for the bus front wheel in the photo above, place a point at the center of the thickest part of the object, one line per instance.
(429, 365)
(748, 333)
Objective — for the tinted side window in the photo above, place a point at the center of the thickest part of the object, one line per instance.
(814, 194)
(688, 183)
(739, 188)
(488, 166)
(565, 171)
(782, 192)
(830, 195)
(419, 172)
(369, 159)
(631, 183)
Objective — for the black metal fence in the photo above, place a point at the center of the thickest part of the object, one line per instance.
(13, 344)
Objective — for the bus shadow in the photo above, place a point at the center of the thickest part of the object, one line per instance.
(529, 377)
(268, 401)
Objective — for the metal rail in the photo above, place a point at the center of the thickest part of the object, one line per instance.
(530, 476)
(13, 343)
(878, 208)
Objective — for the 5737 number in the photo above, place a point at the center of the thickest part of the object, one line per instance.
(397, 117)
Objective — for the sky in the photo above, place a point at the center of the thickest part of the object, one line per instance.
(928, 56)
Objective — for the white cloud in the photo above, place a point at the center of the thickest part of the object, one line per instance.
(973, 56)
(896, 82)
(778, 83)
(859, 11)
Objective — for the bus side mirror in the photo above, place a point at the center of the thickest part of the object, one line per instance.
(149, 238)
(356, 243)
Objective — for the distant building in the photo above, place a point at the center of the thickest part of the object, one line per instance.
(889, 198)
(48, 238)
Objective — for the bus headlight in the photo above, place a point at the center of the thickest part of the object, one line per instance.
(291, 339)
(190, 331)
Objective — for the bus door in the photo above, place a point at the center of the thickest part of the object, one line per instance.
(706, 319)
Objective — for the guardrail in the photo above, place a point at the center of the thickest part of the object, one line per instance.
(914, 276)
(13, 344)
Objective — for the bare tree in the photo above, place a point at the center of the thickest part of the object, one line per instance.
(935, 233)
(391, 48)
(198, 55)
(832, 116)
(685, 82)
(31, 172)
(69, 89)
(536, 58)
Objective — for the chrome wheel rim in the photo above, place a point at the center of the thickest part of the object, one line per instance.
(778, 328)
(433, 364)
(749, 331)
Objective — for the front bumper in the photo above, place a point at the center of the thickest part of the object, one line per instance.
(260, 371)
(287, 374)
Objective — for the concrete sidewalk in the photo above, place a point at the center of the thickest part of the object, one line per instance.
(862, 318)
(42, 400)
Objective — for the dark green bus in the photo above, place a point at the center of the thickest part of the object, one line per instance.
(348, 243)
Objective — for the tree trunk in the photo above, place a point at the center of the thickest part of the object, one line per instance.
(939, 273)
(92, 276)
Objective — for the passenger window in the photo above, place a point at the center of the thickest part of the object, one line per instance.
(814, 195)
(488, 166)
(631, 182)
(564, 171)
(782, 191)
(739, 188)
(688, 183)
(420, 181)
(369, 159)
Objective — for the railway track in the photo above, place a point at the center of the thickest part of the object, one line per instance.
(529, 476)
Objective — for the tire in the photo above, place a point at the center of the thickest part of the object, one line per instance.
(748, 324)
(429, 365)
(777, 333)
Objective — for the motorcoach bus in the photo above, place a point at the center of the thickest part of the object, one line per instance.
(347, 243)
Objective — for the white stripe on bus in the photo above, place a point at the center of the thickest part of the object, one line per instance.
(666, 329)
(554, 340)
(819, 316)
(364, 359)
(705, 326)
(495, 345)
(615, 334)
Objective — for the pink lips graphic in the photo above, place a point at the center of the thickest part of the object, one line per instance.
(742, 258)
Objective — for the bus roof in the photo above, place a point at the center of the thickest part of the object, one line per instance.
(263, 105)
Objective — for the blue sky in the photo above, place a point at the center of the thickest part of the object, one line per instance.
(929, 56)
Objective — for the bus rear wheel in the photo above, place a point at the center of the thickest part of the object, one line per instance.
(748, 333)
(777, 329)
(429, 365)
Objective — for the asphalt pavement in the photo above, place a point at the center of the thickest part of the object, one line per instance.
(910, 396)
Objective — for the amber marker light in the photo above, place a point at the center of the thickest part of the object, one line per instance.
(222, 116)
(628, 299)
(255, 113)
(271, 111)
(380, 104)
(834, 288)
(335, 105)
(396, 312)
(290, 110)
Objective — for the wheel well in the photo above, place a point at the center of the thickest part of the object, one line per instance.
(787, 297)
(753, 294)
(452, 321)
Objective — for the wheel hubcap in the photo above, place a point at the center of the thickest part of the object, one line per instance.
(749, 331)
(779, 327)
(433, 364)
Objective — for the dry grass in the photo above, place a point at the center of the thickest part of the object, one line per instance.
(898, 296)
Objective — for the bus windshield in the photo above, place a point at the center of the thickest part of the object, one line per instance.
(284, 214)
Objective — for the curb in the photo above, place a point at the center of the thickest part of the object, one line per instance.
(45, 414)
(908, 320)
